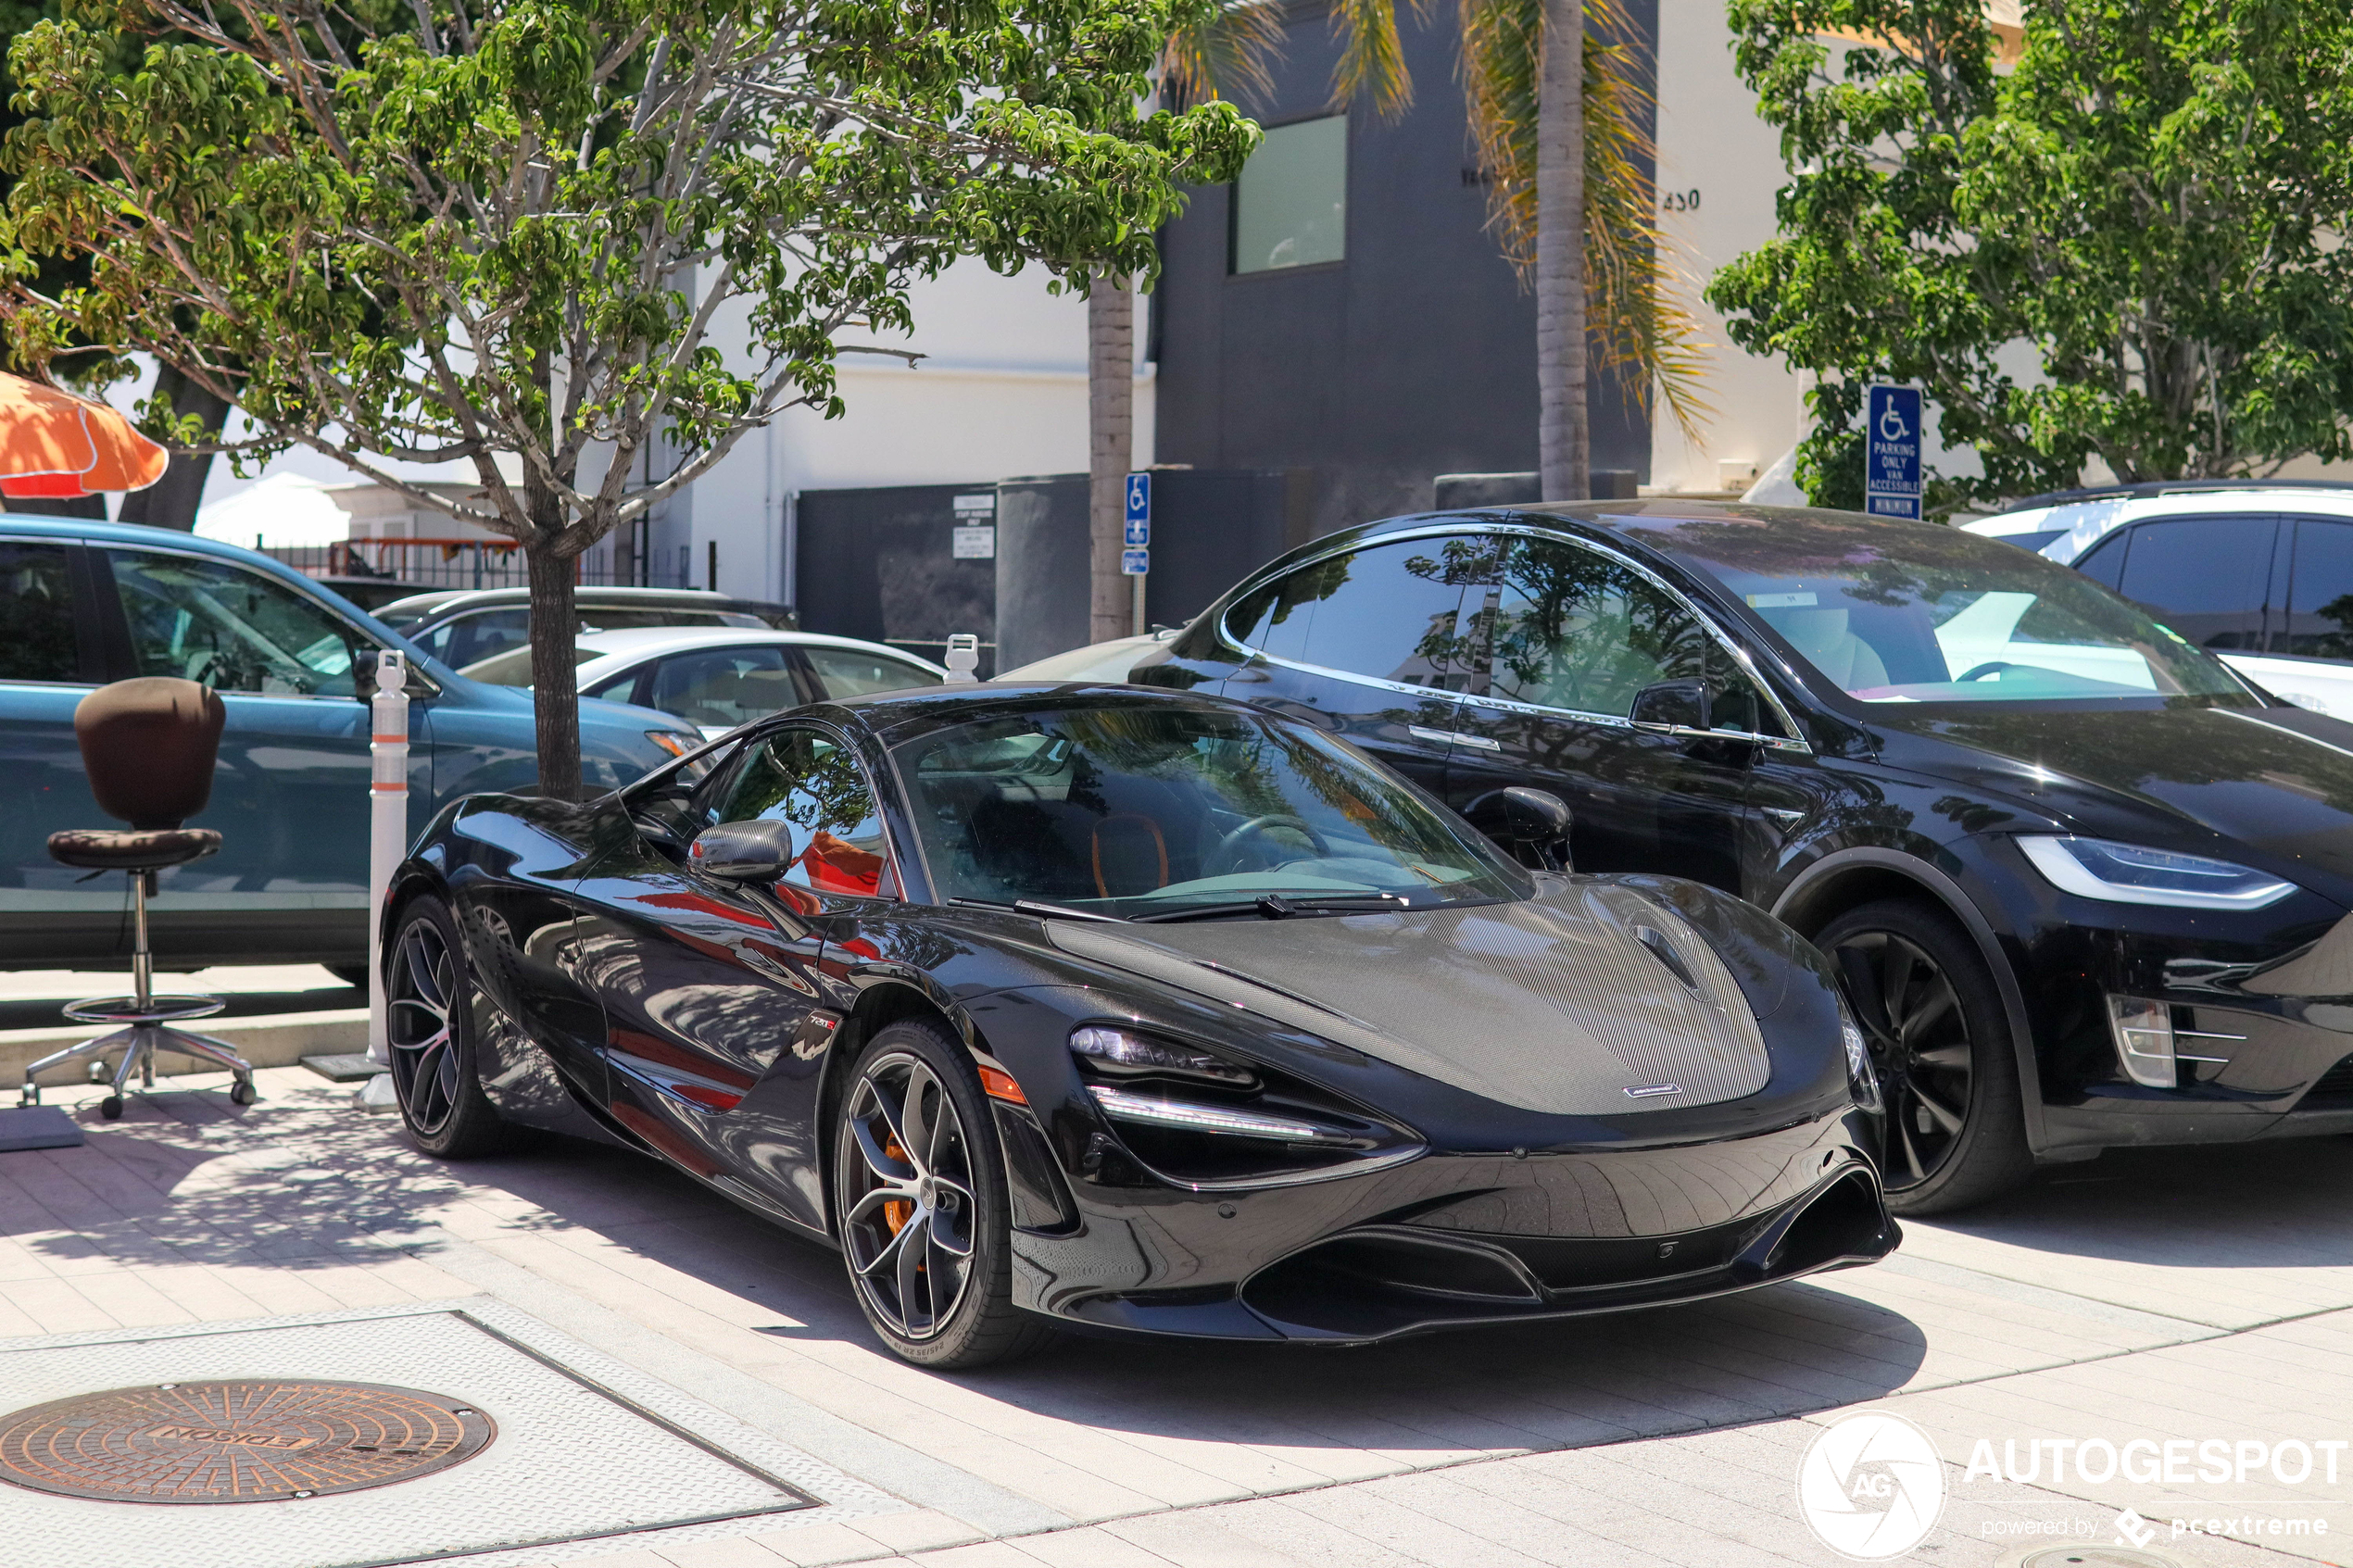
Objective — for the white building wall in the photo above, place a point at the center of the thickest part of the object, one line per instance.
(1725, 165)
(1001, 391)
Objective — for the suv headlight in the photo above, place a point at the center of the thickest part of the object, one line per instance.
(2127, 874)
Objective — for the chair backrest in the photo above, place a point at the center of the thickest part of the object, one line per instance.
(148, 745)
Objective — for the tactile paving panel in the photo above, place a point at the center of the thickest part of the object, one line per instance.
(247, 1440)
(576, 1458)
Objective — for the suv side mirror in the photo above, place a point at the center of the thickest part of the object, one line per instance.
(1672, 704)
(746, 852)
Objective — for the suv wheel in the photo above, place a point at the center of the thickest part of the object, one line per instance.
(1956, 1130)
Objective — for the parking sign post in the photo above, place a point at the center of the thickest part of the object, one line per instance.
(387, 826)
(1891, 451)
(1136, 560)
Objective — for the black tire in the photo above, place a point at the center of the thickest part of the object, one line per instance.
(938, 1307)
(111, 1108)
(349, 973)
(1956, 1127)
(429, 1023)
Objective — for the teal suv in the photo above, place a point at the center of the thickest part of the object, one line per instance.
(84, 602)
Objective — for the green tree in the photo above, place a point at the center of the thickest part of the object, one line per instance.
(507, 234)
(2148, 210)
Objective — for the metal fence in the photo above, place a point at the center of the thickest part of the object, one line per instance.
(432, 563)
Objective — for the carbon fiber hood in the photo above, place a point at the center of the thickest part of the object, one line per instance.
(1553, 1005)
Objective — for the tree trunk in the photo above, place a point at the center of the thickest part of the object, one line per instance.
(555, 691)
(1110, 449)
(1564, 436)
(171, 501)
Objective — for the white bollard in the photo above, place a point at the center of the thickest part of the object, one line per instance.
(964, 658)
(387, 825)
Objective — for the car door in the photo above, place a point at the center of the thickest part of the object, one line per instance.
(717, 1011)
(50, 659)
(290, 793)
(717, 689)
(1576, 633)
(1376, 643)
(837, 674)
(2219, 582)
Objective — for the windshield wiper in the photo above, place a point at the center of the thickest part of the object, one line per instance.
(1032, 906)
(1275, 905)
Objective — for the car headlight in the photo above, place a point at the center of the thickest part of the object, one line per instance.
(1194, 1117)
(2127, 874)
(1861, 1076)
(672, 742)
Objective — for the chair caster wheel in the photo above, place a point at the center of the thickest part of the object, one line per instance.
(241, 1092)
(111, 1108)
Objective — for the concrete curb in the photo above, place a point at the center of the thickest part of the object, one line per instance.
(272, 1040)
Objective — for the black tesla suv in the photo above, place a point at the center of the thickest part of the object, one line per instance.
(2088, 886)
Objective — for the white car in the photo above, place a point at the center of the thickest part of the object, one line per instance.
(1095, 662)
(2260, 574)
(716, 678)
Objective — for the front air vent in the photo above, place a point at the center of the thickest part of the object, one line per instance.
(1663, 949)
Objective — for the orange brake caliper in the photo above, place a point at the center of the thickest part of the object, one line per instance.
(897, 1212)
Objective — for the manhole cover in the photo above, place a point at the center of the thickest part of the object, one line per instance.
(2085, 1555)
(246, 1441)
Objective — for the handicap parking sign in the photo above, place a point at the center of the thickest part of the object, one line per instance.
(1891, 451)
(1140, 512)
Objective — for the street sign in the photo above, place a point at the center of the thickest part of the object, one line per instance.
(1135, 563)
(1139, 516)
(1892, 452)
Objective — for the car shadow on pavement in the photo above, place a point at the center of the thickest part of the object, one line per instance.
(2281, 1204)
(303, 1182)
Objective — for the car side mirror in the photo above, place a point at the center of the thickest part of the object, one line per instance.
(746, 852)
(1535, 822)
(1672, 704)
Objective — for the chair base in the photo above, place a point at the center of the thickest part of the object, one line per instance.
(139, 1044)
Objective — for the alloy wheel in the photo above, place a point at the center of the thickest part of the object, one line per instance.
(908, 1211)
(422, 994)
(1920, 1040)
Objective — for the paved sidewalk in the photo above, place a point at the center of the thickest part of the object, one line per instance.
(2204, 1295)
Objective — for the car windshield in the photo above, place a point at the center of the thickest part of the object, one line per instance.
(1134, 810)
(513, 668)
(1911, 612)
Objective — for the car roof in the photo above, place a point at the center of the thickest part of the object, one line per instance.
(634, 643)
(447, 601)
(2065, 529)
(98, 530)
(894, 717)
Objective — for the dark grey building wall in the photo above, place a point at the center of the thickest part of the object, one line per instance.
(877, 564)
(1210, 529)
(1413, 356)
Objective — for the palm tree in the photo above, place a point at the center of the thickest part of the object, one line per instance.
(1556, 106)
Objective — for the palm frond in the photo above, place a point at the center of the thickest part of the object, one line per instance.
(1372, 56)
(1633, 306)
(1231, 54)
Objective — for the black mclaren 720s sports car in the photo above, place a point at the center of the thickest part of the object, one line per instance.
(1130, 1010)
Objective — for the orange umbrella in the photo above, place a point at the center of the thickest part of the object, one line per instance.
(56, 444)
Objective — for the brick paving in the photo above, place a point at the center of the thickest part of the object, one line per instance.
(2204, 1294)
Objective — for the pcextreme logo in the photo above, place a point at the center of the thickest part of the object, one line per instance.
(1871, 1485)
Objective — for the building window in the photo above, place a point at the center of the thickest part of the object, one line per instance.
(1291, 205)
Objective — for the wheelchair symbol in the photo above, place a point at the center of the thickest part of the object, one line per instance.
(1890, 425)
